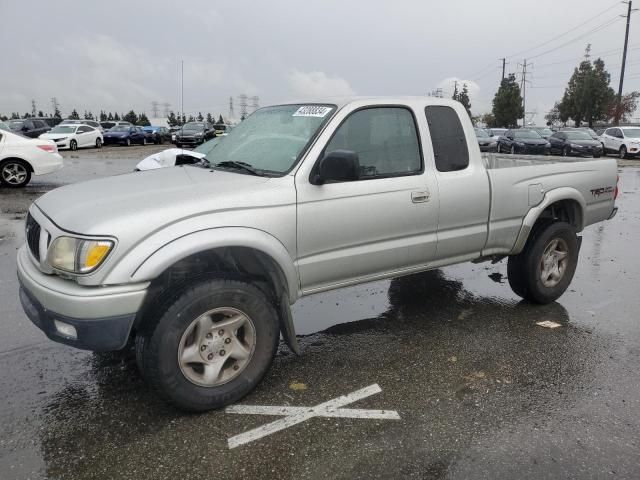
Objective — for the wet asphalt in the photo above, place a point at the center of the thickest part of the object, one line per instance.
(481, 390)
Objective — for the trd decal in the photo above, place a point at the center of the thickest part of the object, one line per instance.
(596, 192)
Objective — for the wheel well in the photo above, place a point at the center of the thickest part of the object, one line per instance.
(563, 210)
(240, 263)
(28, 165)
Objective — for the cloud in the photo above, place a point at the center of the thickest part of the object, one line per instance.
(318, 84)
(478, 103)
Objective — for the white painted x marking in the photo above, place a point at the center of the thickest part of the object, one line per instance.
(295, 415)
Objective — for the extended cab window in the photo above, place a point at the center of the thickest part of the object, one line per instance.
(385, 139)
(448, 139)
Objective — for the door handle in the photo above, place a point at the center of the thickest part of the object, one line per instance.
(419, 197)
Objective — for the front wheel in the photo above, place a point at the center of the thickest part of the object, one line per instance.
(542, 272)
(14, 174)
(623, 152)
(128, 142)
(498, 149)
(513, 149)
(212, 345)
(73, 145)
(566, 152)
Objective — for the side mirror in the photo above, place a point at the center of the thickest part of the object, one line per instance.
(339, 165)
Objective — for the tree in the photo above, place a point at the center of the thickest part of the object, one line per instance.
(489, 120)
(26, 115)
(209, 118)
(40, 113)
(172, 119)
(74, 115)
(15, 116)
(588, 96)
(220, 121)
(110, 117)
(3, 118)
(463, 98)
(507, 103)
(143, 121)
(103, 116)
(116, 117)
(88, 115)
(200, 117)
(130, 117)
(628, 105)
(553, 116)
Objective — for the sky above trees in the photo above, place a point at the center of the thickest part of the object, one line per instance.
(120, 55)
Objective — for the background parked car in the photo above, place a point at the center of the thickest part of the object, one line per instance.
(485, 142)
(110, 124)
(22, 157)
(125, 135)
(194, 133)
(158, 134)
(523, 141)
(575, 143)
(74, 136)
(544, 132)
(496, 133)
(29, 127)
(625, 141)
(590, 131)
(91, 123)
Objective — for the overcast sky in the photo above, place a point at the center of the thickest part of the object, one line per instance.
(117, 55)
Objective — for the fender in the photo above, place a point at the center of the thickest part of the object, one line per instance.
(550, 197)
(182, 247)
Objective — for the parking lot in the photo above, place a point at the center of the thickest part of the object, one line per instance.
(479, 389)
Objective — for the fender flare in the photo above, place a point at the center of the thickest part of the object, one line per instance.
(209, 239)
(550, 197)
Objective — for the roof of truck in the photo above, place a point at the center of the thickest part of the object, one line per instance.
(342, 101)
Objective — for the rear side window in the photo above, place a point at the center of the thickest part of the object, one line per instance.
(385, 139)
(448, 139)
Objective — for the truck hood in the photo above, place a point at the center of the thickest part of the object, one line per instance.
(145, 201)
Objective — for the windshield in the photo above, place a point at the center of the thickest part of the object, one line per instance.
(498, 131)
(120, 128)
(526, 134)
(193, 126)
(544, 131)
(15, 124)
(481, 133)
(63, 129)
(578, 135)
(70, 122)
(272, 138)
(632, 132)
(4, 126)
(206, 147)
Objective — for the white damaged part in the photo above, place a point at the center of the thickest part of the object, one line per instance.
(548, 324)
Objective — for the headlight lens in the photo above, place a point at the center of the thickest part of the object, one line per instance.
(77, 255)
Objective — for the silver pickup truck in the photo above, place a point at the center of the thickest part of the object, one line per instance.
(199, 265)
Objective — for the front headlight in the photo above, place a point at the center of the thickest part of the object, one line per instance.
(77, 255)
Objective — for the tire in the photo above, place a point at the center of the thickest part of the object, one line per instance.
(98, 143)
(622, 154)
(128, 142)
(178, 145)
(566, 151)
(525, 271)
(164, 349)
(498, 149)
(14, 173)
(73, 145)
(512, 150)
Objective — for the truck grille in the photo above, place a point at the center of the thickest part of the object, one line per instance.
(33, 236)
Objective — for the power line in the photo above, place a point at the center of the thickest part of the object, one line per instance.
(565, 33)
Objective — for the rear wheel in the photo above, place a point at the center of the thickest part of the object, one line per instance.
(623, 152)
(14, 173)
(498, 148)
(542, 272)
(128, 142)
(98, 143)
(513, 150)
(212, 345)
(566, 151)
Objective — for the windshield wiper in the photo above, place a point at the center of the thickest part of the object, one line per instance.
(238, 165)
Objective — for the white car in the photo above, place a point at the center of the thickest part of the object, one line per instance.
(22, 157)
(624, 141)
(74, 136)
(177, 156)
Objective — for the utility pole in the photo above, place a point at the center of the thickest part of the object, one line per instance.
(624, 61)
(504, 62)
(182, 90)
(243, 106)
(524, 91)
(33, 107)
(154, 108)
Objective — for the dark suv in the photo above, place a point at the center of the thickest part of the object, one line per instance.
(29, 127)
(194, 133)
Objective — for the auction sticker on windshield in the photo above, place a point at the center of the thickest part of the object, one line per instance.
(312, 111)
